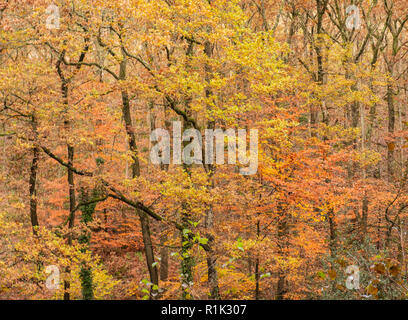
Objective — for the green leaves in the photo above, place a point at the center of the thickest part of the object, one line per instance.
(240, 245)
(321, 275)
(203, 240)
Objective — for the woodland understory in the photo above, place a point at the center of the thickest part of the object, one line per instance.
(78, 190)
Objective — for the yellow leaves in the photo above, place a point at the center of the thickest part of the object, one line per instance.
(190, 190)
(17, 205)
(35, 253)
(217, 82)
(347, 83)
(338, 132)
(366, 158)
(321, 275)
(234, 283)
(275, 134)
(104, 282)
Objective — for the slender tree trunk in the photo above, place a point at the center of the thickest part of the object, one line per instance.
(257, 276)
(209, 221)
(364, 217)
(164, 251)
(164, 258)
(144, 220)
(211, 258)
(33, 189)
(70, 174)
(72, 200)
(391, 129)
(333, 233)
(187, 261)
(87, 217)
(70, 150)
(71, 220)
(318, 48)
(283, 231)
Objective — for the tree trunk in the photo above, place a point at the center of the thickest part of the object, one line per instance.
(71, 219)
(144, 220)
(283, 231)
(164, 258)
(391, 129)
(209, 219)
(333, 233)
(364, 217)
(33, 190)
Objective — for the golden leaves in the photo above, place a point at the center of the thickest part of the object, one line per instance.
(391, 146)
(372, 289)
(379, 268)
(387, 268)
(341, 287)
(394, 270)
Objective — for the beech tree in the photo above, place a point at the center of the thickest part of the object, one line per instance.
(86, 213)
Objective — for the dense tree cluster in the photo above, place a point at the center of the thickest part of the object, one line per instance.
(84, 83)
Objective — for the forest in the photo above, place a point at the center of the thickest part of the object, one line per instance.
(203, 150)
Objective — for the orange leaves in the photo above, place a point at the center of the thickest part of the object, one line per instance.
(332, 274)
(391, 146)
(379, 268)
(372, 289)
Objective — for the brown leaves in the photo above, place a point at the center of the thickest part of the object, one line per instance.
(372, 290)
(342, 263)
(341, 287)
(387, 268)
(394, 270)
(332, 274)
(391, 146)
(379, 268)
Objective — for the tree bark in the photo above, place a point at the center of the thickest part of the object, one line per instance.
(209, 220)
(33, 190)
(144, 220)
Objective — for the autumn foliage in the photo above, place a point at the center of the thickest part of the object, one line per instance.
(78, 189)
